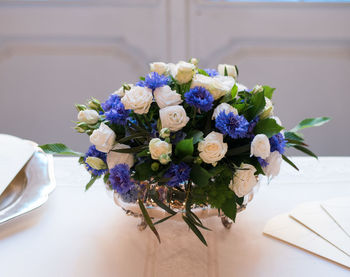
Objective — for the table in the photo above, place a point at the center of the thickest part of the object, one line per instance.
(79, 233)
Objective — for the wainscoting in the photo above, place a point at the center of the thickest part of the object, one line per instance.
(57, 53)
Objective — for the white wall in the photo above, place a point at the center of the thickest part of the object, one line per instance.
(57, 53)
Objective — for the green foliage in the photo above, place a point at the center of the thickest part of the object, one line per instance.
(59, 149)
(229, 207)
(195, 229)
(268, 91)
(267, 126)
(310, 122)
(91, 182)
(285, 158)
(257, 104)
(184, 148)
(305, 150)
(143, 171)
(196, 135)
(148, 219)
(199, 175)
(203, 72)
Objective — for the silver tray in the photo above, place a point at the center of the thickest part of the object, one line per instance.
(30, 188)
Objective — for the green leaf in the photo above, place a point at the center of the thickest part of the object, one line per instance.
(305, 150)
(59, 148)
(132, 149)
(257, 105)
(161, 204)
(310, 122)
(96, 163)
(268, 91)
(143, 171)
(163, 219)
(285, 158)
(143, 153)
(137, 135)
(234, 91)
(229, 208)
(196, 135)
(238, 150)
(294, 136)
(199, 175)
(184, 148)
(148, 219)
(225, 72)
(267, 126)
(203, 72)
(195, 230)
(91, 182)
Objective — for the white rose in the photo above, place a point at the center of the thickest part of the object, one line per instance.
(158, 147)
(114, 158)
(244, 180)
(224, 107)
(103, 138)
(216, 88)
(121, 91)
(139, 99)
(212, 149)
(194, 61)
(88, 116)
(164, 97)
(260, 146)
(182, 72)
(274, 164)
(231, 70)
(173, 117)
(159, 67)
(226, 81)
(268, 109)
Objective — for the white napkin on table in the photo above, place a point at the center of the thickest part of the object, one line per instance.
(14, 154)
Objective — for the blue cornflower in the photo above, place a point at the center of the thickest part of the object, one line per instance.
(120, 178)
(115, 111)
(140, 83)
(131, 195)
(251, 127)
(153, 81)
(93, 152)
(262, 162)
(118, 114)
(277, 143)
(236, 126)
(111, 102)
(200, 98)
(178, 174)
(211, 72)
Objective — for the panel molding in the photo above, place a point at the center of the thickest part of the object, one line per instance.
(65, 45)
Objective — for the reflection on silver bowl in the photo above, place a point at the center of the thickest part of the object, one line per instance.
(29, 189)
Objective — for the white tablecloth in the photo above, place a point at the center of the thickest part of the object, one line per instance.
(79, 233)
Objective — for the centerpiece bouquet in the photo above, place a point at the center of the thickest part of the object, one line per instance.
(184, 138)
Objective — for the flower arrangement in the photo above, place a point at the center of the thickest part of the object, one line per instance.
(184, 137)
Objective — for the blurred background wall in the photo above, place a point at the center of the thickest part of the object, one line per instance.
(54, 54)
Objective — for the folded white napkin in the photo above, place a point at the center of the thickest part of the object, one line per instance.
(14, 154)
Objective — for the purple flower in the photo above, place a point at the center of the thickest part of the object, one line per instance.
(153, 81)
(200, 98)
(120, 178)
(236, 126)
(131, 195)
(262, 162)
(251, 127)
(277, 143)
(93, 152)
(178, 174)
(211, 72)
(115, 111)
